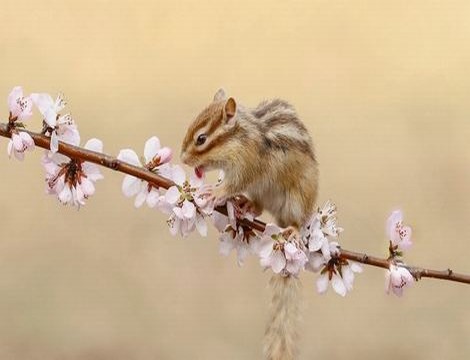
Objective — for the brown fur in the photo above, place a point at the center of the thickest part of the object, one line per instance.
(267, 154)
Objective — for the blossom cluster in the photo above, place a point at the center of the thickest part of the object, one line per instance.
(321, 234)
(287, 252)
(190, 203)
(70, 180)
(397, 277)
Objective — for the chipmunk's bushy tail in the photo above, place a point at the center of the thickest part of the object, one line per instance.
(281, 336)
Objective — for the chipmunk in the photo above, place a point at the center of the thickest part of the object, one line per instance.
(266, 153)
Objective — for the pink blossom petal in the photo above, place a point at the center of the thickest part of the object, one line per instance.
(165, 155)
(316, 241)
(172, 195)
(355, 267)
(54, 142)
(220, 221)
(87, 187)
(20, 106)
(195, 181)
(178, 175)
(395, 218)
(141, 195)
(315, 262)
(27, 140)
(129, 156)
(338, 285)
(174, 225)
(278, 261)
(226, 244)
(201, 225)
(405, 241)
(264, 248)
(16, 93)
(152, 145)
(19, 155)
(189, 210)
(153, 198)
(388, 282)
(94, 145)
(290, 250)
(10, 147)
(59, 103)
(326, 249)
(46, 107)
(65, 195)
(178, 213)
(165, 170)
(242, 253)
(348, 277)
(58, 158)
(69, 134)
(322, 283)
(271, 229)
(79, 196)
(130, 185)
(92, 171)
(17, 142)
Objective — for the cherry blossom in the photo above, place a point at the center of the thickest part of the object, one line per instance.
(187, 203)
(295, 258)
(320, 229)
(234, 236)
(398, 234)
(21, 107)
(276, 252)
(397, 278)
(72, 180)
(340, 272)
(19, 143)
(58, 127)
(155, 160)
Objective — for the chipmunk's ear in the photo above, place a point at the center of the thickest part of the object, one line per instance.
(220, 95)
(230, 109)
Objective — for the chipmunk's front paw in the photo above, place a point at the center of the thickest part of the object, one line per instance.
(219, 196)
(245, 207)
(291, 233)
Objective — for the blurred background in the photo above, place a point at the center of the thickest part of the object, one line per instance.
(383, 87)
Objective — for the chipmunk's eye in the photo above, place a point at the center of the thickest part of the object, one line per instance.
(201, 139)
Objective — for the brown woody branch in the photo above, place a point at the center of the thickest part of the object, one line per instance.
(144, 174)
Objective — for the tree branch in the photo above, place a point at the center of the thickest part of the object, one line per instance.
(144, 174)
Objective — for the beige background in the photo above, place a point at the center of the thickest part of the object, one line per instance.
(383, 86)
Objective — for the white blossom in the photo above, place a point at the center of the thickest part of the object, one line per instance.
(21, 107)
(20, 142)
(397, 278)
(187, 203)
(339, 272)
(276, 252)
(156, 160)
(72, 180)
(320, 229)
(398, 234)
(58, 127)
(234, 236)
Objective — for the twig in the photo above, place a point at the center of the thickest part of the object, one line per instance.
(144, 174)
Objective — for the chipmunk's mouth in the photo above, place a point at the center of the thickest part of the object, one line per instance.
(199, 171)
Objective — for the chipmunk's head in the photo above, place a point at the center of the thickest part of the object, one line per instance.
(207, 140)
